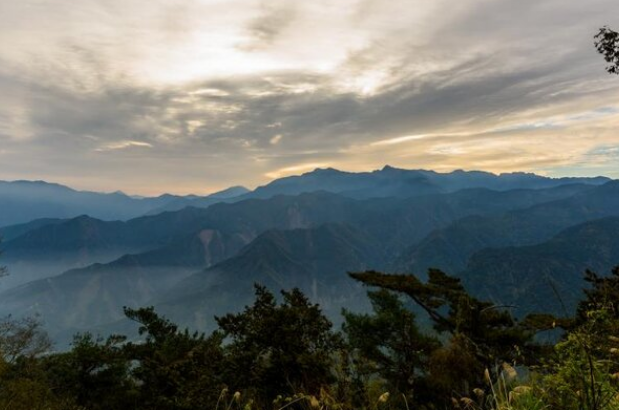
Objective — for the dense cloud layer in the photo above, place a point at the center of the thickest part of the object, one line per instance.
(151, 96)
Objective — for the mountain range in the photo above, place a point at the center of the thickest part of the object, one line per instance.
(24, 201)
(511, 237)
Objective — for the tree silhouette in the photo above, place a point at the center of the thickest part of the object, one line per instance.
(607, 44)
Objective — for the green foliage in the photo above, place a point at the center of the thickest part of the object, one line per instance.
(24, 384)
(174, 369)
(602, 295)
(389, 344)
(607, 44)
(482, 334)
(581, 374)
(279, 349)
(91, 371)
(284, 354)
(25, 393)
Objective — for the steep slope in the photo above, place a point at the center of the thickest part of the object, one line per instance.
(547, 277)
(76, 243)
(96, 294)
(60, 245)
(82, 298)
(10, 232)
(450, 248)
(315, 260)
(84, 235)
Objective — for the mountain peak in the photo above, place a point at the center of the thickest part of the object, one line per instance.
(231, 192)
(389, 168)
(328, 170)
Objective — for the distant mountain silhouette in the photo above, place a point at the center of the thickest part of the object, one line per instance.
(394, 182)
(24, 201)
(387, 182)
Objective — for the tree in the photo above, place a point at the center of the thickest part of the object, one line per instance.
(22, 338)
(175, 369)
(389, 344)
(579, 375)
(582, 372)
(95, 373)
(607, 44)
(482, 334)
(603, 294)
(278, 349)
(24, 385)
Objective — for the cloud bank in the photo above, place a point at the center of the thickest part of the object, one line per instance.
(193, 96)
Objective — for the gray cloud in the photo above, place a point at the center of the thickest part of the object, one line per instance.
(270, 24)
(484, 84)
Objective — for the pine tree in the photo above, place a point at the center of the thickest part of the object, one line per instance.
(482, 334)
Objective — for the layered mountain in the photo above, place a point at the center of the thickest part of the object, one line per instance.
(10, 232)
(59, 245)
(314, 259)
(25, 201)
(97, 293)
(450, 248)
(335, 232)
(547, 277)
(82, 298)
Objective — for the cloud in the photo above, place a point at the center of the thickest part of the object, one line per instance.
(276, 139)
(205, 86)
(295, 169)
(123, 145)
(270, 24)
(408, 138)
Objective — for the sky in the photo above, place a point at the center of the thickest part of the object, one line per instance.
(153, 96)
